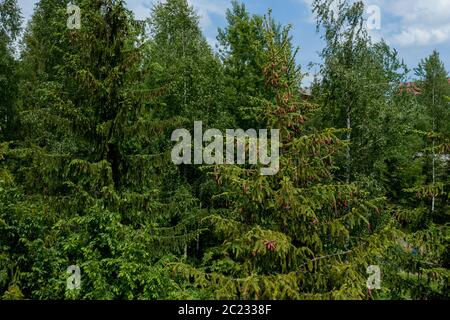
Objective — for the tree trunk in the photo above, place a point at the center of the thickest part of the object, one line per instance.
(349, 137)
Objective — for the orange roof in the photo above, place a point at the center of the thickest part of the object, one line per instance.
(412, 87)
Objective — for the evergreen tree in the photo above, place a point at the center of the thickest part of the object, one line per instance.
(242, 44)
(87, 179)
(76, 180)
(10, 22)
(186, 78)
(298, 234)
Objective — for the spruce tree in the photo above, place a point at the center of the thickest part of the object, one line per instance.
(299, 234)
(79, 191)
(87, 179)
(241, 47)
(10, 24)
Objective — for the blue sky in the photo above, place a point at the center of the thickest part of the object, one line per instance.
(413, 27)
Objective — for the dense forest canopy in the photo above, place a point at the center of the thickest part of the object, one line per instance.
(87, 181)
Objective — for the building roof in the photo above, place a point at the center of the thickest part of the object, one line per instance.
(413, 87)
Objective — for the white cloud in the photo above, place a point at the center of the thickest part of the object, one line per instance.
(207, 8)
(422, 37)
(412, 22)
(418, 22)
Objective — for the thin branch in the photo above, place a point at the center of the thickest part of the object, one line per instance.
(327, 256)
